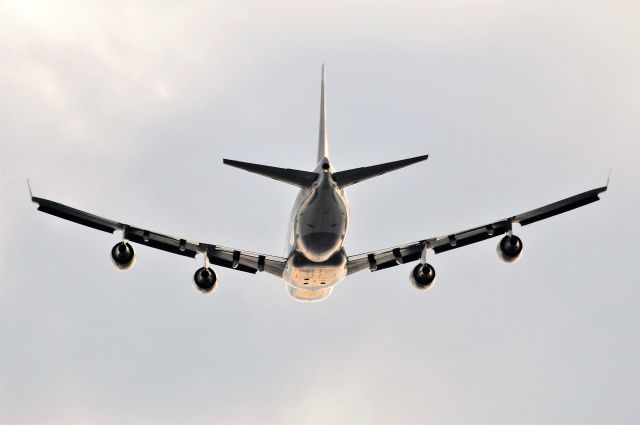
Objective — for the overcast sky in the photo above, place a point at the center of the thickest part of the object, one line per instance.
(126, 110)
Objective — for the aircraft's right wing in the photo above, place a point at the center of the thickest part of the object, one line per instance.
(385, 258)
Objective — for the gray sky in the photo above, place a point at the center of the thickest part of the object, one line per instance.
(127, 109)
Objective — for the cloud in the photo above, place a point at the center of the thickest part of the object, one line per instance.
(126, 109)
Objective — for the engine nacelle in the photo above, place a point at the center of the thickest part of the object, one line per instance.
(509, 249)
(422, 276)
(205, 280)
(123, 256)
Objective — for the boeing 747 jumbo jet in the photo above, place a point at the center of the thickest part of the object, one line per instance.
(315, 260)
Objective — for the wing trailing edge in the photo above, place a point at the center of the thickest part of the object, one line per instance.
(385, 258)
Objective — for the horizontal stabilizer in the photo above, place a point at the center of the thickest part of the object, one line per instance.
(295, 177)
(355, 175)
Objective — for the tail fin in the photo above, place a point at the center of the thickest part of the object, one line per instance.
(323, 142)
(295, 177)
(356, 175)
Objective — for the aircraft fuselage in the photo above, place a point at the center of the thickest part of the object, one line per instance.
(316, 257)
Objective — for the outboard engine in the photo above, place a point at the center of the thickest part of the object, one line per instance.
(509, 249)
(205, 280)
(123, 256)
(422, 276)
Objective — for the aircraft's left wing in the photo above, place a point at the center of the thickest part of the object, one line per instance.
(236, 259)
(385, 258)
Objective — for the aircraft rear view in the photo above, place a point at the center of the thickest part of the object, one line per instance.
(315, 260)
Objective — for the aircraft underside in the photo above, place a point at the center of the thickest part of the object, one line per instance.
(310, 281)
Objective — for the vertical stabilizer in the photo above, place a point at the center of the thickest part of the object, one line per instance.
(323, 142)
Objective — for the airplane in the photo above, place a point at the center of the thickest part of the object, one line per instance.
(315, 260)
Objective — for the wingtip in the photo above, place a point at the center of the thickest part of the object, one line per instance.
(608, 178)
(30, 191)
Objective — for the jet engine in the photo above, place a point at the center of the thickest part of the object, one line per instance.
(123, 256)
(422, 276)
(509, 249)
(205, 280)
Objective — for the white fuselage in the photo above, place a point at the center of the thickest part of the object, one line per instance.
(315, 252)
